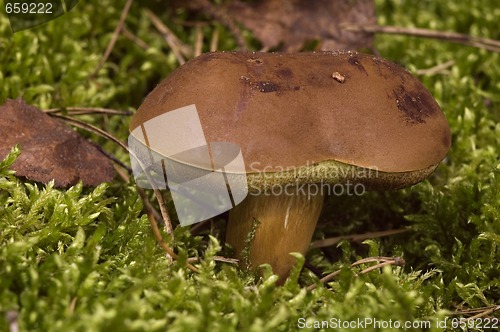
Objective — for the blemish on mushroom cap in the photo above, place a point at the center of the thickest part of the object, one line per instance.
(380, 116)
(285, 73)
(354, 61)
(338, 77)
(266, 86)
(415, 105)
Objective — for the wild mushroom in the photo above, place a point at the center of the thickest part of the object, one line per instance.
(306, 123)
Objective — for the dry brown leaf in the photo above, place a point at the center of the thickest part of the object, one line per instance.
(50, 149)
(295, 22)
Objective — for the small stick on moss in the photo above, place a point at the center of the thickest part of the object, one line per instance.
(398, 261)
(384, 261)
(226, 260)
(114, 159)
(88, 110)
(141, 193)
(91, 128)
(152, 213)
(163, 210)
(178, 48)
(436, 69)
(459, 38)
(214, 42)
(476, 310)
(484, 313)
(166, 219)
(112, 42)
(72, 305)
(161, 242)
(198, 46)
(161, 202)
(217, 259)
(99, 132)
(479, 312)
(138, 41)
(221, 15)
(356, 237)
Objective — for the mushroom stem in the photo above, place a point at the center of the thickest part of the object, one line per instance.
(286, 224)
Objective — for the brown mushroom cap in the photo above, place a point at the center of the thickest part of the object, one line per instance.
(321, 111)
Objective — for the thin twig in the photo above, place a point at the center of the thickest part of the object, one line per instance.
(479, 42)
(159, 197)
(114, 38)
(384, 261)
(72, 305)
(226, 260)
(159, 237)
(475, 310)
(141, 43)
(217, 259)
(114, 159)
(176, 45)
(485, 313)
(88, 110)
(479, 312)
(221, 15)
(148, 207)
(396, 260)
(436, 69)
(91, 128)
(163, 210)
(95, 130)
(198, 46)
(378, 266)
(355, 237)
(154, 225)
(214, 42)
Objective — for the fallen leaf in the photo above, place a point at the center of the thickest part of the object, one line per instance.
(295, 22)
(50, 149)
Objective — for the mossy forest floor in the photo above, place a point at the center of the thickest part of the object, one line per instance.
(86, 260)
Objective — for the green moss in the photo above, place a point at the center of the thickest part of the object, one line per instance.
(85, 259)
